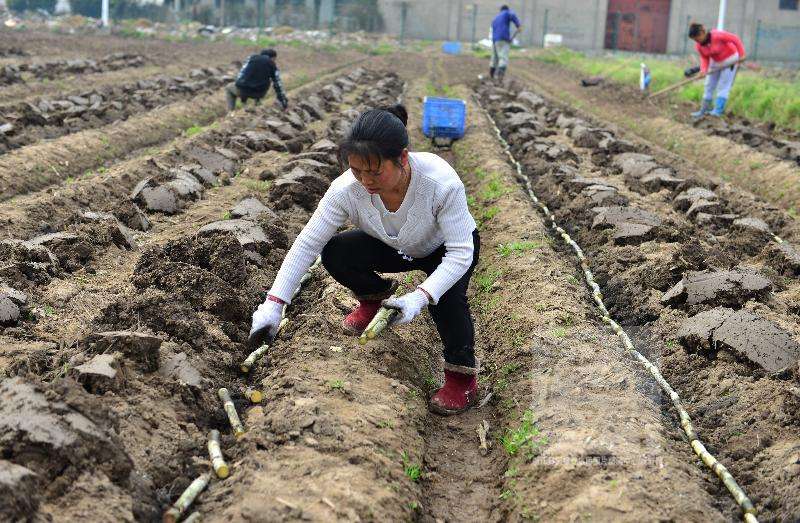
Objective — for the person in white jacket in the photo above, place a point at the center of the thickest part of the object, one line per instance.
(410, 213)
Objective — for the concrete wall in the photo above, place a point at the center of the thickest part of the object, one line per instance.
(582, 23)
(582, 27)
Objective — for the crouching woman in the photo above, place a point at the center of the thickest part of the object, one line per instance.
(410, 213)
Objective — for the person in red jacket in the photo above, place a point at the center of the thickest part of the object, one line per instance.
(720, 53)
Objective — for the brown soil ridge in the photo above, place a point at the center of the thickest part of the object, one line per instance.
(24, 213)
(37, 166)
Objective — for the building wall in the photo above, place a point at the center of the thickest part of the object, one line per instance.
(582, 22)
(582, 28)
(765, 29)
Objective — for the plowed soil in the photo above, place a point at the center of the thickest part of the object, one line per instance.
(126, 298)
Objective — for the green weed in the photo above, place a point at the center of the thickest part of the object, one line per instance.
(559, 332)
(507, 494)
(430, 382)
(526, 440)
(506, 249)
(386, 424)
(226, 215)
(336, 384)
(487, 214)
(193, 130)
(413, 471)
(486, 279)
(494, 189)
(256, 185)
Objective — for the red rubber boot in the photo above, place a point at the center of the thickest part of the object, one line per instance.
(357, 321)
(458, 394)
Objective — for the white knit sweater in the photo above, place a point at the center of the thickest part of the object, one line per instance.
(438, 215)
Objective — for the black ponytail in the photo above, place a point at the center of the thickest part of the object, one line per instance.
(377, 133)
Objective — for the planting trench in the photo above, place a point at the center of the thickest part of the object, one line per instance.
(704, 288)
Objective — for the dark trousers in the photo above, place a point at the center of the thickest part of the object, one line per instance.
(353, 258)
(232, 93)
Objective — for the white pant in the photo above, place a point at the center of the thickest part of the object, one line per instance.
(722, 79)
(500, 50)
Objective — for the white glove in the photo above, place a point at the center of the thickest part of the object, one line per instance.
(266, 320)
(409, 306)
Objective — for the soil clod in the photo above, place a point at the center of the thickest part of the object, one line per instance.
(744, 333)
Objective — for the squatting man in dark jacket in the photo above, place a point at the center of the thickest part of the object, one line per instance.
(254, 79)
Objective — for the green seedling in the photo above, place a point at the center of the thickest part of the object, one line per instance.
(413, 471)
(526, 440)
(506, 249)
(336, 384)
(486, 280)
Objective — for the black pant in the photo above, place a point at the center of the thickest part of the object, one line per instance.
(354, 257)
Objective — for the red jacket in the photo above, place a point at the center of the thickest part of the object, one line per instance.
(720, 46)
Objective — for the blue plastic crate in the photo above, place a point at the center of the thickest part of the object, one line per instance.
(451, 47)
(444, 117)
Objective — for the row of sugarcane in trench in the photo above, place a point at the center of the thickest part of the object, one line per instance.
(748, 509)
(218, 464)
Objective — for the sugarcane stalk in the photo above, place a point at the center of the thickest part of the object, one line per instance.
(230, 410)
(256, 355)
(194, 517)
(254, 395)
(483, 431)
(215, 452)
(378, 324)
(187, 498)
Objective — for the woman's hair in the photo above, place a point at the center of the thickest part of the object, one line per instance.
(695, 29)
(380, 133)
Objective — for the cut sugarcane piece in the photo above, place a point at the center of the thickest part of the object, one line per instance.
(256, 355)
(187, 498)
(377, 325)
(221, 468)
(483, 432)
(230, 410)
(254, 395)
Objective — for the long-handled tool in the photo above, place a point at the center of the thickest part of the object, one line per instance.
(597, 80)
(690, 80)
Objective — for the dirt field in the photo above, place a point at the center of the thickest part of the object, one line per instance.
(126, 295)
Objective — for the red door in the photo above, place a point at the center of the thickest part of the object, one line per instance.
(637, 25)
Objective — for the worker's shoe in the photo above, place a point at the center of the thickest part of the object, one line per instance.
(719, 110)
(459, 392)
(491, 72)
(368, 306)
(705, 108)
(501, 73)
